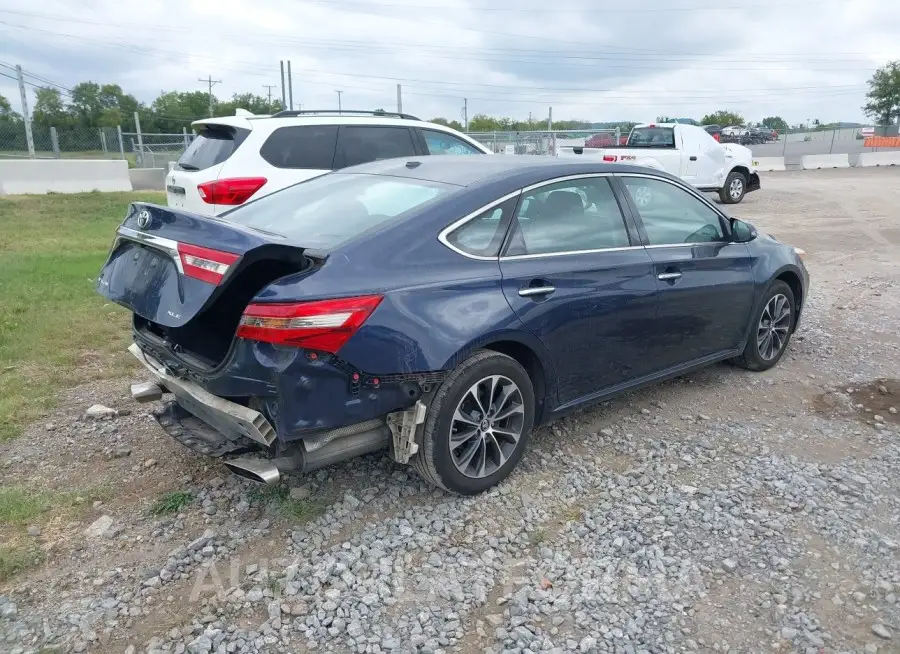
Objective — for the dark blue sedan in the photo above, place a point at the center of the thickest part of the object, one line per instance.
(440, 307)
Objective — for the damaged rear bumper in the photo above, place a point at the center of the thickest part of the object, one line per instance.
(234, 422)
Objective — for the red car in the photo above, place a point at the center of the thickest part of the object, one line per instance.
(605, 140)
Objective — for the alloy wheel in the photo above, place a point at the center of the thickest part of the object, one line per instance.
(772, 331)
(642, 196)
(486, 426)
(736, 188)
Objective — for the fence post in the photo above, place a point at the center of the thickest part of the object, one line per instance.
(121, 141)
(184, 133)
(831, 147)
(29, 139)
(139, 159)
(103, 141)
(784, 145)
(54, 141)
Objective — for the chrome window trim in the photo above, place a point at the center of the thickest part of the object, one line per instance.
(442, 236)
(166, 245)
(541, 255)
(567, 178)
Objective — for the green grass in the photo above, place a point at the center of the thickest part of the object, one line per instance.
(18, 505)
(55, 331)
(172, 502)
(278, 497)
(14, 560)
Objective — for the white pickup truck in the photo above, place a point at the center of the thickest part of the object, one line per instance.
(686, 151)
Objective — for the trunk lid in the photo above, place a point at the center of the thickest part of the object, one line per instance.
(168, 266)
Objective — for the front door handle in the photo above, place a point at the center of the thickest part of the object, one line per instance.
(533, 291)
(693, 158)
(668, 276)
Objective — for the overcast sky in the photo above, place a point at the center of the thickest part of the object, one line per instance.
(633, 60)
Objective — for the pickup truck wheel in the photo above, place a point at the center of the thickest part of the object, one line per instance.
(478, 424)
(734, 188)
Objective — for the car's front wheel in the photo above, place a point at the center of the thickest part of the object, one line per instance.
(773, 325)
(478, 424)
(734, 189)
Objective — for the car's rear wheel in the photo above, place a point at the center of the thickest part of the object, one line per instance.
(478, 424)
(773, 325)
(734, 189)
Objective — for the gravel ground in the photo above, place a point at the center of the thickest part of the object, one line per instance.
(725, 511)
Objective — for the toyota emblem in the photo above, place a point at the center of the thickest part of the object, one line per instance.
(144, 219)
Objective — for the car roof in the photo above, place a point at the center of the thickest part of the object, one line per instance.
(248, 122)
(474, 170)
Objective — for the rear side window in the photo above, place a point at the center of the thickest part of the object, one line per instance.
(310, 147)
(653, 137)
(211, 146)
(361, 144)
(483, 235)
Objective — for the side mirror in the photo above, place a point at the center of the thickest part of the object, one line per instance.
(742, 232)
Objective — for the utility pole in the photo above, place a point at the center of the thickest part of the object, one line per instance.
(290, 87)
(283, 90)
(210, 81)
(339, 100)
(399, 100)
(270, 87)
(465, 114)
(29, 138)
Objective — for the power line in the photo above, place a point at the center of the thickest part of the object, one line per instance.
(269, 38)
(211, 83)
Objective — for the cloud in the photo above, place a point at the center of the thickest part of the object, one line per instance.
(796, 59)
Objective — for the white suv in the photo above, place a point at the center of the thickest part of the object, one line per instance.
(235, 158)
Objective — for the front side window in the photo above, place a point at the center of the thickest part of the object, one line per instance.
(441, 143)
(671, 215)
(570, 216)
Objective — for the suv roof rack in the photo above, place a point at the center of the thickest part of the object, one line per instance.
(342, 112)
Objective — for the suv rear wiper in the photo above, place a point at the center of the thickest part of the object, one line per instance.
(187, 166)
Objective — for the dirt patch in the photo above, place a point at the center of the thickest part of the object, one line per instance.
(875, 402)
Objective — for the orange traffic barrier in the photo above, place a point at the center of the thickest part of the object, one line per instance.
(882, 142)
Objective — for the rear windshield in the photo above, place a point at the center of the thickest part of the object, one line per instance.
(211, 146)
(652, 137)
(328, 210)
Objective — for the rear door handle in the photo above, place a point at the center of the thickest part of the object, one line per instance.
(668, 276)
(533, 291)
(693, 158)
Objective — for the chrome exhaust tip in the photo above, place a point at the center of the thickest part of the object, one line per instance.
(262, 471)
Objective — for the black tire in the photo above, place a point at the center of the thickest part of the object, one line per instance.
(725, 194)
(433, 461)
(750, 358)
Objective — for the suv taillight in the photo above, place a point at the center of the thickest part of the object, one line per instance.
(234, 190)
(323, 325)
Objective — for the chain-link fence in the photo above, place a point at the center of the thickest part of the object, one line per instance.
(547, 142)
(139, 149)
(795, 143)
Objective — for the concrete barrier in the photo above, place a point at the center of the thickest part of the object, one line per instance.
(867, 159)
(148, 179)
(816, 161)
(769, 164)
(41, 176)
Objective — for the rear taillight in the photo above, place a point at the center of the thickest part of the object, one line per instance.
(234, 190)
(323, 325)
(204, 263)
(610, 157)
(716, 136)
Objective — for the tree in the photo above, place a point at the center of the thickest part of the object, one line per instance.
(453, 124)
(6, 111)
(173, 110)
(49, 108)
(723, 117)
(775, 122)
(255, 104)
(884, 94)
